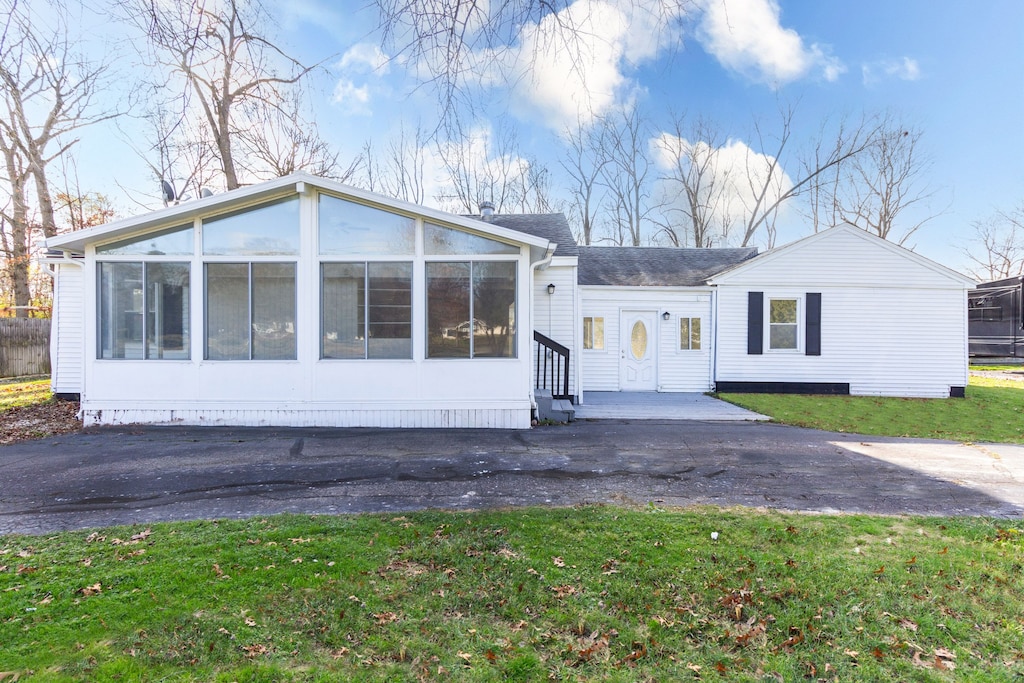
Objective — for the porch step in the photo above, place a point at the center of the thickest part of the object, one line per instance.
(556, 410)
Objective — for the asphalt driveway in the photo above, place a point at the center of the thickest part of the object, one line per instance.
(145, 474)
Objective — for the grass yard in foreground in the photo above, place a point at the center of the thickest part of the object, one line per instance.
(993, 411)
(582, 594)
(20, 393)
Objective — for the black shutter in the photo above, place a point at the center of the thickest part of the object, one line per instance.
(813, 326)
(755, 322)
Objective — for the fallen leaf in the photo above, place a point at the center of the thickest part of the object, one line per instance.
(694, 667)
(907, 623)
(558, 562)
(249, 621)
(852, 654)
(385, 618)
(255, 650)
(563, 591)
(91, 590)
(142, 535)
(945, 654)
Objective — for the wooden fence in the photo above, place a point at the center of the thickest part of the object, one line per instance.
(24, 346)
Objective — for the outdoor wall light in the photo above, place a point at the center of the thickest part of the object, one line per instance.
(665, 316)
(551, 289)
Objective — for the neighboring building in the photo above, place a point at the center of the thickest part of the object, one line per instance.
(301, 301)
(995, 314)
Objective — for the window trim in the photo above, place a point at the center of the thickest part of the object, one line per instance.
(594, 349)
(471, 261)
(249, 263)
(798, 326)
(366, 303)
(143, 264)
(700, 334)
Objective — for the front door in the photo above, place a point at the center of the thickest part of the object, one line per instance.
(638, 345)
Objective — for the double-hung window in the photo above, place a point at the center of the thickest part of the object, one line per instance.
(689, 334)
(783, 324)
(250, 271)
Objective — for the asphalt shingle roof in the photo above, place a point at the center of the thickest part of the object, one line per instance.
(550, 226)
(656, 266)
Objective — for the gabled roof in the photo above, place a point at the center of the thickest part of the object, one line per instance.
(274, 189)
(551, 226)
(848, 229)
(656, 266)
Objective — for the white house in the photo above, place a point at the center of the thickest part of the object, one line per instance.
(301, 301)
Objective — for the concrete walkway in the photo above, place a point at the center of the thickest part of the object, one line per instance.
(650, 405)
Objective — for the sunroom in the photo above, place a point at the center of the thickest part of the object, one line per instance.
(299, 302)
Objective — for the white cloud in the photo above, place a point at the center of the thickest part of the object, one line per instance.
(905, 69)
(747, 37)
(734, 173)
(353, 100)
(363, 58)
(572, 66)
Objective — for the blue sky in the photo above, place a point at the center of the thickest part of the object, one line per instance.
(954, 70)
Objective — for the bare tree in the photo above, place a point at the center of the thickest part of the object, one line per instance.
(585, 161)
(883, 183)
(48, 92)
(997, 251)
(695, 185)
(765, 170)
(400, 171)
(627, 175)
(229, 67)
(289, 141)
(454, 41)
(488, 166)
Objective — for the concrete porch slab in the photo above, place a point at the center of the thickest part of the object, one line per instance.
(650, 405)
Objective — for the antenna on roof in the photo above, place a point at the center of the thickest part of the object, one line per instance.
(205, 192)
(168, 191)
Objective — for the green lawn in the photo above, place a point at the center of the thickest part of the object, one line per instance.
(993, 411)
(581, 594)
(19, 393)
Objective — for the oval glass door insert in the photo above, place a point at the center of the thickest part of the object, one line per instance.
(638, 340)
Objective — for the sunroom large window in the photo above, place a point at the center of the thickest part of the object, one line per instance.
(366, 310)
(250, 311)
(143, 310)
(471, 309)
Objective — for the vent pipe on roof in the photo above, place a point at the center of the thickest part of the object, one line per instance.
(486, 209)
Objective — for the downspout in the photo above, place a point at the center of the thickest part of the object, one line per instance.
(714, 339)
(539, 264)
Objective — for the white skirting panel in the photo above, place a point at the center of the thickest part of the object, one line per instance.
(458, 418)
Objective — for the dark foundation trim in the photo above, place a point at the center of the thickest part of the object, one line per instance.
(834, 388)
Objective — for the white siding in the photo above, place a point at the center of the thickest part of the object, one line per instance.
(66, 334)
(678, 370)
(890, 324)
(555, 315)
